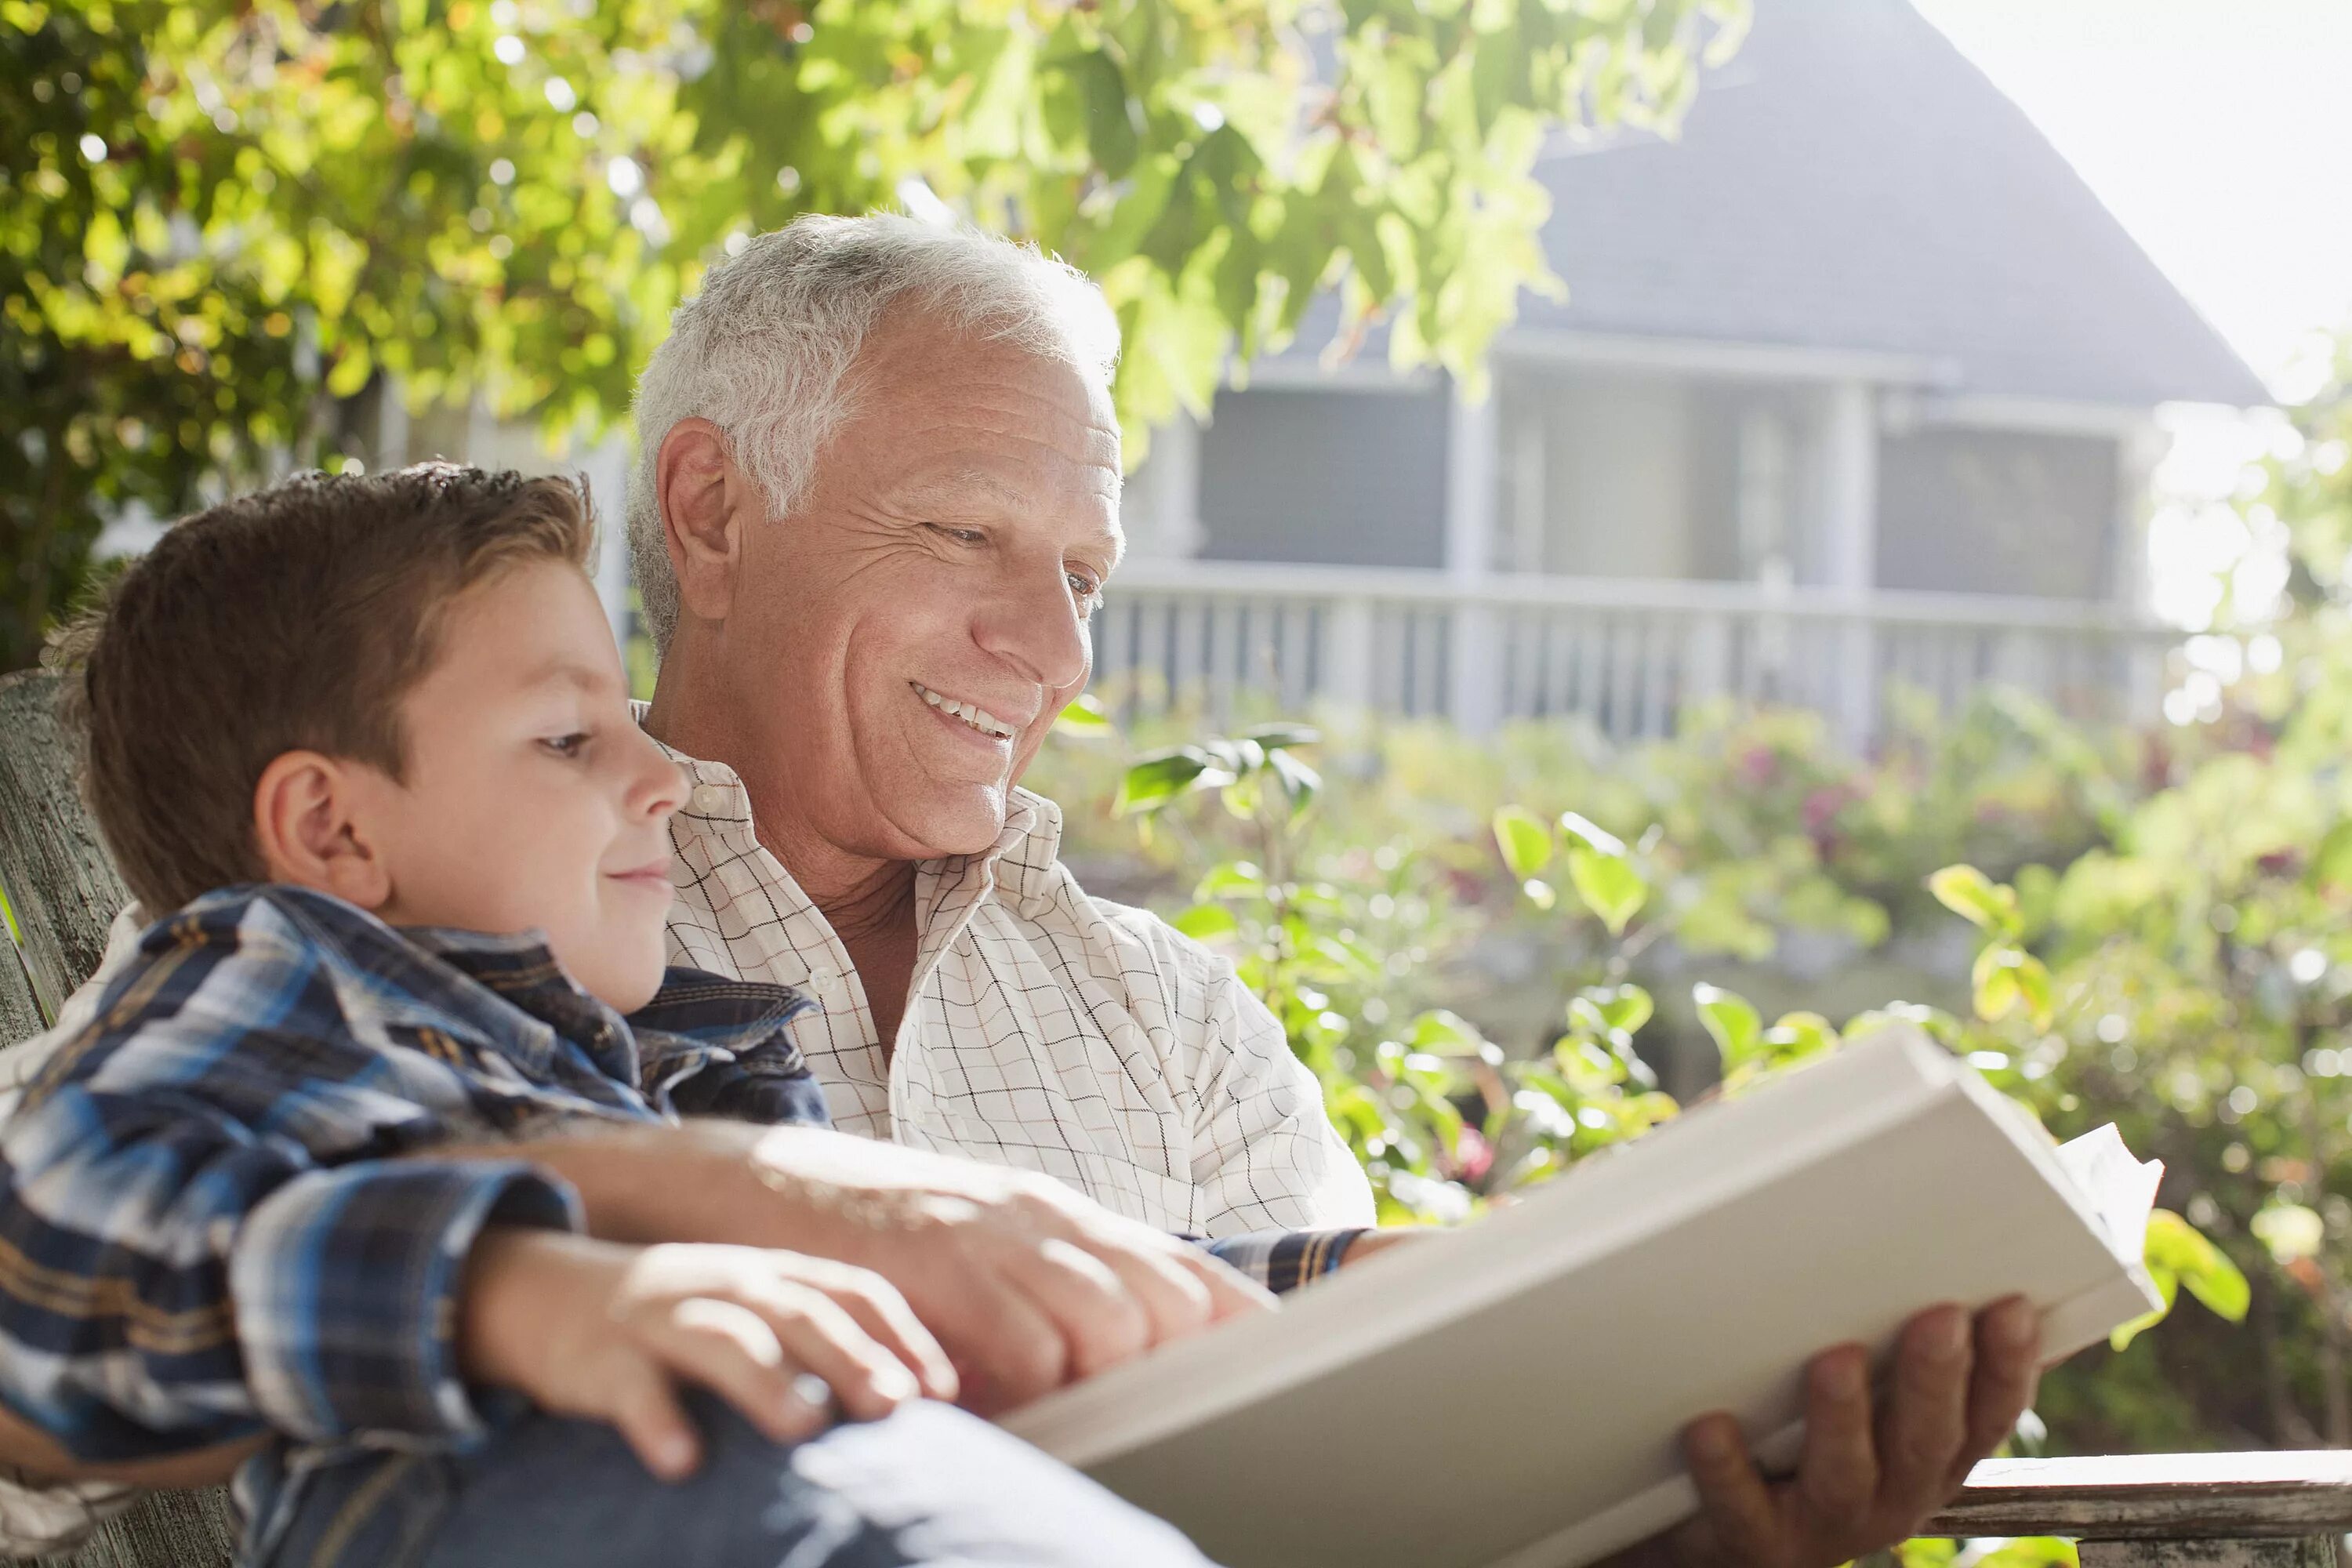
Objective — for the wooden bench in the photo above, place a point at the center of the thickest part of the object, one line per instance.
(2171, 1511)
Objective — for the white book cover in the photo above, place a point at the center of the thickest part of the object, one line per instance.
(1508, 1395)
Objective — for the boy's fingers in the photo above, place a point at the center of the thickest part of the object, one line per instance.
(885, 1316)
(644, 1409)
(817, 1334)
(730, 1347)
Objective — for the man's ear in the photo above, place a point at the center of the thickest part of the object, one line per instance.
(705, 506)
(309, 833)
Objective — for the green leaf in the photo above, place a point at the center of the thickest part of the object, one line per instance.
(1976, 898)
(2176, 1251)
(2331, 865)
(1609, 886)
(1232, 879)
(1625, 1007)
(1800, 1034)
(1207, 922)
(1587, 832)
(1282, 737)
(1444, 1034)
(2005, 976)
(1733, 1023)
(1160, 778)
(1524, 841)
(1300, 783)
(1539, 893)
(1085, 718)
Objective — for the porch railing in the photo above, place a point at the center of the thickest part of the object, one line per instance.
(1629, 656)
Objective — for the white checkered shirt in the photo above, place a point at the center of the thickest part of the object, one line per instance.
(1044, 1029)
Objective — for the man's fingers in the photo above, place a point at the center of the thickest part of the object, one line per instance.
(1926, 1420)
(2007, 1370)
(1175, 1301)
(1231, 1292)
(1837, 1479)
(1101, 1321)
(1006, 1349)
(1732, 1497)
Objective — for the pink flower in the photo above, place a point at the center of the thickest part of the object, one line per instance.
(1473, 1156)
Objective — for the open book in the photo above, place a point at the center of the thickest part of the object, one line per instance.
(1508, 1395)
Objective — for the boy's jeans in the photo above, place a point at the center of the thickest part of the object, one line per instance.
(929, 1485)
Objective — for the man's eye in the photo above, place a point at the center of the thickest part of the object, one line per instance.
(570, 745)
(960, 535)
(1084, 586)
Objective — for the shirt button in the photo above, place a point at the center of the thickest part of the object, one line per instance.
(708, 799)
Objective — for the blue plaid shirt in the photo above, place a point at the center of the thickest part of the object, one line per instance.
(218, 1211)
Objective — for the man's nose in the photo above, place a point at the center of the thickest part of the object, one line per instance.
(1038, 626)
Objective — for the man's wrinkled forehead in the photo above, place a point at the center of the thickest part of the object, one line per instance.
(925, 377)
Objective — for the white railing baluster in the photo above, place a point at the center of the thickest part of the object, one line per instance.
(1629, 656)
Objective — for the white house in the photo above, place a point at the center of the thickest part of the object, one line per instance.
(1855, 383)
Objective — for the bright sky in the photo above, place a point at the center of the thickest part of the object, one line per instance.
(2218, 131)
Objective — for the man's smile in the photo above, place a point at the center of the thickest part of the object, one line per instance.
(971, 715)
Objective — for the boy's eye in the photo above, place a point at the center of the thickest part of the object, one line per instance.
(570, 745)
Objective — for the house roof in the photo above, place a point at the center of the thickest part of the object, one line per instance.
(1850, 181)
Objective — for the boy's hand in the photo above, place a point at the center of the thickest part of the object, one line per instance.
(604, 1330)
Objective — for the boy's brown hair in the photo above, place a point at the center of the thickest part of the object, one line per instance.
(293, 619)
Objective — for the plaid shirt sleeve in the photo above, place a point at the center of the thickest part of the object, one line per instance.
(1283, 1261)
(201, 1235)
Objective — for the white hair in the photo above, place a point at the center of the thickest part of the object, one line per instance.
(764, 351)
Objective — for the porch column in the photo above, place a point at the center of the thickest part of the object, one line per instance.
(2137, 453)
(1475, 651)
(1169, 489)
(1850, 537)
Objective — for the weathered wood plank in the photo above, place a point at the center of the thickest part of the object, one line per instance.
(57, 877)
(163, 1530)
(2146, 1497)
(20, 1016)
(2235, 1552)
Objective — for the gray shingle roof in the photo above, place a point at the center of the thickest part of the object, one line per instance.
(1850, 181)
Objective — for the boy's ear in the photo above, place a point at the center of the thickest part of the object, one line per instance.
(308, 833)
(703, 500)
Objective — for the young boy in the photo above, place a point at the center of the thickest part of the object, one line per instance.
(370, 738)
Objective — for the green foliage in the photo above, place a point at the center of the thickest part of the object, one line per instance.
(1477, 1028)
(223, 222)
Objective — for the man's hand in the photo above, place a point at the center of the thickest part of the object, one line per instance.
(1027, 1283)
(596, 1330)
(1865, 1480)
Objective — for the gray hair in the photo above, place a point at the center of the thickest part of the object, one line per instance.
(763, 351)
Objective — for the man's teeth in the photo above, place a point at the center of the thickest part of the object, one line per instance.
(980, 718)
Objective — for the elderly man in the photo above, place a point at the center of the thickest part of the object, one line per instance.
(876, 502)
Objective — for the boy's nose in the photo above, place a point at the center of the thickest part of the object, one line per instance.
(660, 787)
